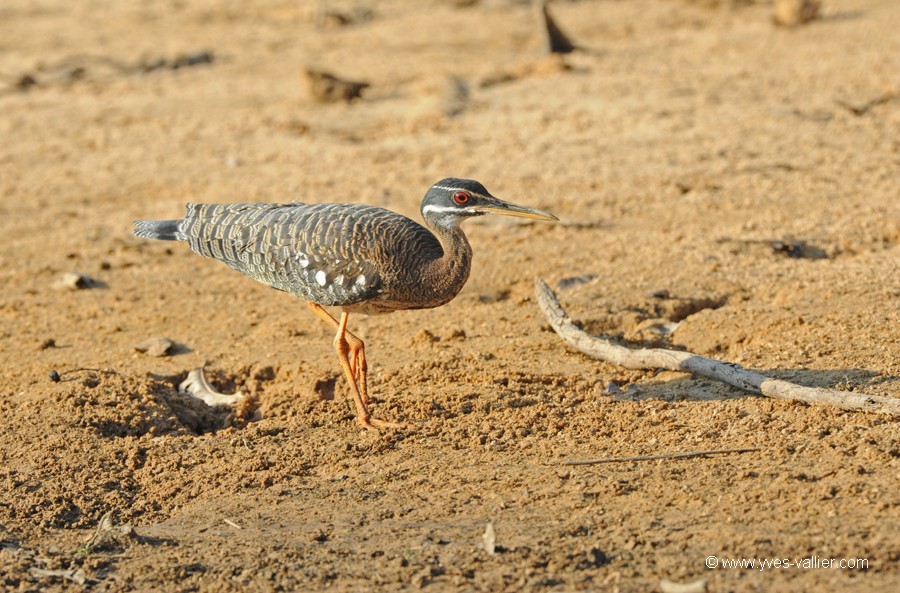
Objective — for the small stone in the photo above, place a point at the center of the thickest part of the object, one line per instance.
(328, 88)
(155, 346)
(790, 13)
(333, 19)
(75, 281)
(25, 82)
(571, 281)
(54, 376)
(653, 329)
(192, 59)
(48, 343)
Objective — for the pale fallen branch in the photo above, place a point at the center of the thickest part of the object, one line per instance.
(674, 360)
(198, 386)
(684, 455)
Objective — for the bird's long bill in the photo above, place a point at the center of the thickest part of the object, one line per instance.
(497, 206)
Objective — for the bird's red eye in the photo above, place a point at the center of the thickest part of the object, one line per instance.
(461, 197)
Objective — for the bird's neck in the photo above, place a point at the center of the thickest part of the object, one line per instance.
(447, 274)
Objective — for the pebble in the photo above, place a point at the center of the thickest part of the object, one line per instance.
(75, 281)
(155, 346)
(790, 13)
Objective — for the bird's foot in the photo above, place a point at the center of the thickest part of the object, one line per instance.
(377, 423)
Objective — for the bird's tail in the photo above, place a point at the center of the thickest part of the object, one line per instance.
(165, 230)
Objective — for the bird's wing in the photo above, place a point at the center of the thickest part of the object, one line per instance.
(320, 252)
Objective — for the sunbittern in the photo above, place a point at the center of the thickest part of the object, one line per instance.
(363, 259)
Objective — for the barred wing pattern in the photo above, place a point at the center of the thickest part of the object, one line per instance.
(320, 252)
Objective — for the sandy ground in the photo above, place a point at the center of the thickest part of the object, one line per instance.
(678, 149)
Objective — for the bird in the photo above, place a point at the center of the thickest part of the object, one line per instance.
(362, 259)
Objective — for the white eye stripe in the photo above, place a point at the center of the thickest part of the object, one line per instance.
(455, 189)
(440, 209)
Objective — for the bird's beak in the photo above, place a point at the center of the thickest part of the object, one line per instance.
(497, 206)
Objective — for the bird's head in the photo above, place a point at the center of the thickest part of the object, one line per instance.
(450, 201)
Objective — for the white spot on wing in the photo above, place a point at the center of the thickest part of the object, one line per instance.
(361, 280)
(321, 277)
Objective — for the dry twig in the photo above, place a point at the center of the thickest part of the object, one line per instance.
(685, 455)
(674, 360)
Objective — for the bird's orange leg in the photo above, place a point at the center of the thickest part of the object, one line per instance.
(358, 365)
(345, 343)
